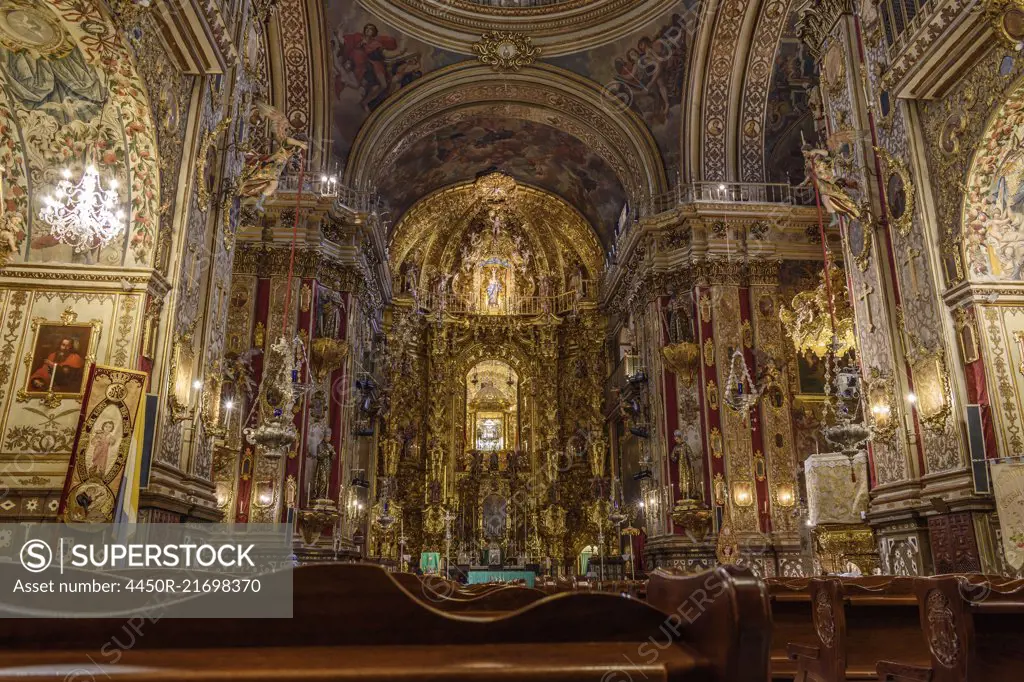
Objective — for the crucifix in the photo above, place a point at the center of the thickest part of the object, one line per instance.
(866, 298)
(911, 264)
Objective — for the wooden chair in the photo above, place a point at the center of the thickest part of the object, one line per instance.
(355, 622)
(974, 629)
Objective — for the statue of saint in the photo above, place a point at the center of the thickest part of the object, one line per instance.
(493, 290)
(322, 471)
(691, 480)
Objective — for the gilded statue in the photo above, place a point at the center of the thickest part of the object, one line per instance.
(691, 481)
(322, 471)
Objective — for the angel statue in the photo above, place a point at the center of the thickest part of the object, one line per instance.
(691, 483)
(832, 188)
(262, 172)
(12, 230)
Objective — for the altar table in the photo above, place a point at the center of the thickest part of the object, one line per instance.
(476, 577)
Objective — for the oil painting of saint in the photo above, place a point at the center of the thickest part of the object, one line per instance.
(59, 359)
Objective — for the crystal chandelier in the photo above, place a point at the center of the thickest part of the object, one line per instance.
(85, 215)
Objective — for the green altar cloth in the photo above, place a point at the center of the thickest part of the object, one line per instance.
(430, 562)
(477, 577)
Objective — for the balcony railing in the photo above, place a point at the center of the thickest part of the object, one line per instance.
(727, 192)
(328, 187)
(901, 19)
(561, 304)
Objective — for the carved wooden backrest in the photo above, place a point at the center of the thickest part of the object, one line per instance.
(723, 613)
(974, 626)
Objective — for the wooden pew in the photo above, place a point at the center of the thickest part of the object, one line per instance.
(857, 623)
(355, 622)
(792, 622)
(724, 611)
(974, 629)
(445, 595)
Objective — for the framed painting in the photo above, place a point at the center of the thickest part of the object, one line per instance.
(58, 363)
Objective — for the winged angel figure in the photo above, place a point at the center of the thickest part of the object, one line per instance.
(262, 172)
(833, 188)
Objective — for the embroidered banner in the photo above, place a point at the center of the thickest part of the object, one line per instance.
(106, 427)
(1008, 488)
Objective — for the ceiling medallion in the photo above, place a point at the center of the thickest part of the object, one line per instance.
(506, 51)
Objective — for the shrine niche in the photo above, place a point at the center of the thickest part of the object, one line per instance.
(492, 410)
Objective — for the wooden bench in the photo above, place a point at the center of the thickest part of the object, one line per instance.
(356, 622)
(974, 630)
(792, 622)
(723, 612)
(858, 622)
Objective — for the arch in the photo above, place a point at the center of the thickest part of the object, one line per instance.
(719, 71)
(542, 93)
(558, 28)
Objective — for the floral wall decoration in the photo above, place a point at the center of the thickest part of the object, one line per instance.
(70, 96)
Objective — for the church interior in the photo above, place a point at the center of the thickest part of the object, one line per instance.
(532, 323)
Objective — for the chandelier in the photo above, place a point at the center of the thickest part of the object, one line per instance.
(85, 215)
(740, 392)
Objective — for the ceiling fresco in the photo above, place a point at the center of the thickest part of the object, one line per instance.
(643, 72)
(531, 152)
(370, 61)
(789, 113)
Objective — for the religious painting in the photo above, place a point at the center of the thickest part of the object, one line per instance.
(896, 195)
(860, 239)
(788, 117)
(60, 357)
(968, 342)
(994, 210)
(531, 152)
(811, 371)
(645, 72)
(103, 444)
(370, 61)
(495, 510)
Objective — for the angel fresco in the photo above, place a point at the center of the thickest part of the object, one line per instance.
(262, 172)
(362, 62)
(995, 242)
(648, 77)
